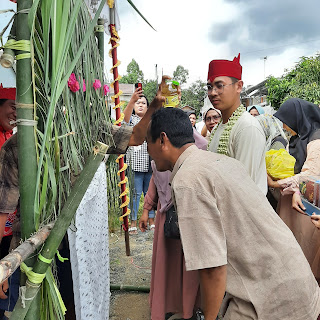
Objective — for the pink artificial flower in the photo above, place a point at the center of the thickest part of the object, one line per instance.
(97, 84)
(106, 89)
(84, 86)
(73, 84)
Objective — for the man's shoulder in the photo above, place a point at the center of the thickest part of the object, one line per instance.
(203, 163)
(248, 122)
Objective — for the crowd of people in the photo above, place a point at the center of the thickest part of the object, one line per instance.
(234, 258)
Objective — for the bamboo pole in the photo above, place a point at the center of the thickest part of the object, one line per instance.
(26, 137)
(13, 260)
(62, 223)
(99, 33)
(122, 287)
(26, 132)
(118, 113)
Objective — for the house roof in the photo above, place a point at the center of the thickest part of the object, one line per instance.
(259, 89)
(126, 88)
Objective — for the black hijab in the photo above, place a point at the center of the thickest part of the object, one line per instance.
(303, 117)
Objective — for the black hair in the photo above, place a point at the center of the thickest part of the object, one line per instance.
(190, 112)
(175, 123)
(2, 101)
(146, 100)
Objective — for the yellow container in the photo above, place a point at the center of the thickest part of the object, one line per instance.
(170, 92)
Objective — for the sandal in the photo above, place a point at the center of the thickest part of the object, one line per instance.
(133, 230)
(152, 227)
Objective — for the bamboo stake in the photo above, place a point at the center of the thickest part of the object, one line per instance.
(26, 138)
(99, 33)
(13, 260)
(118, 112)
(26, 133)
(62, 223)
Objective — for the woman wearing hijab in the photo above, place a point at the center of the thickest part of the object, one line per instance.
(255, 110)
(211, 118)
(302, 119)
(275, 137)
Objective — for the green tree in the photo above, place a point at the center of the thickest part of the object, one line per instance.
(181, 74)
(134, 74)
(303, 81)
(150, 88)
(194, 95)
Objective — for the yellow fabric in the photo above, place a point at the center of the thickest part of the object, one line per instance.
(280, 164)
(110, 3)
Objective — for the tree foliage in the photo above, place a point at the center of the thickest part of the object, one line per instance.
(134, 74)
(150, 88)
(303, 81)
(194, 95)
(181, 74)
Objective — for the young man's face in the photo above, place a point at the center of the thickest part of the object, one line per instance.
(223, 92)
(156, 152)
(7, 114)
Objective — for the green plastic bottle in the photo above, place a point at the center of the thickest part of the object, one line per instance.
(170, 91)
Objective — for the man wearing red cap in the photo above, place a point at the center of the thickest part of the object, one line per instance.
(238, 135)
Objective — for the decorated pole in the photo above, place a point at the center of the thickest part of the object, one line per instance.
(114, 38)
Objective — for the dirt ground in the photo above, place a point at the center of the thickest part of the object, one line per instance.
(130, 271)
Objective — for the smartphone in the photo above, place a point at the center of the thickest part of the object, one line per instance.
(138, 85)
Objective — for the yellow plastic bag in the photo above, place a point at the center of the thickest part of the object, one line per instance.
(280, 164)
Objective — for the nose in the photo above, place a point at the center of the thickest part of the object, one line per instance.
(15, 114)
(212, 92)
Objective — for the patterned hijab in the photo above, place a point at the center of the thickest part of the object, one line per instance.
(303, 117)
(271, 129)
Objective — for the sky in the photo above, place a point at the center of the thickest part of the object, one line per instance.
(271, 36)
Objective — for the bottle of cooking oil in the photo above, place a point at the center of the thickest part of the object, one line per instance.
(170, 92)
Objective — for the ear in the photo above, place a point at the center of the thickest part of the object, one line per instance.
(164, 140)
(162, 136)
(239, 86)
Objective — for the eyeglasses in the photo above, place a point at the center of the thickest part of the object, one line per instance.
(209, 119)
(218, 87)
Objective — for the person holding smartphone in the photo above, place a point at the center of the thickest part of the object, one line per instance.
(138, 157)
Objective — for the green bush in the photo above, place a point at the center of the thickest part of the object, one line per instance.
(303, 81)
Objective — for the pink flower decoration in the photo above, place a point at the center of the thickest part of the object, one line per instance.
(106, 89)
(97, 84)
(84, 86)
(73, 84)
